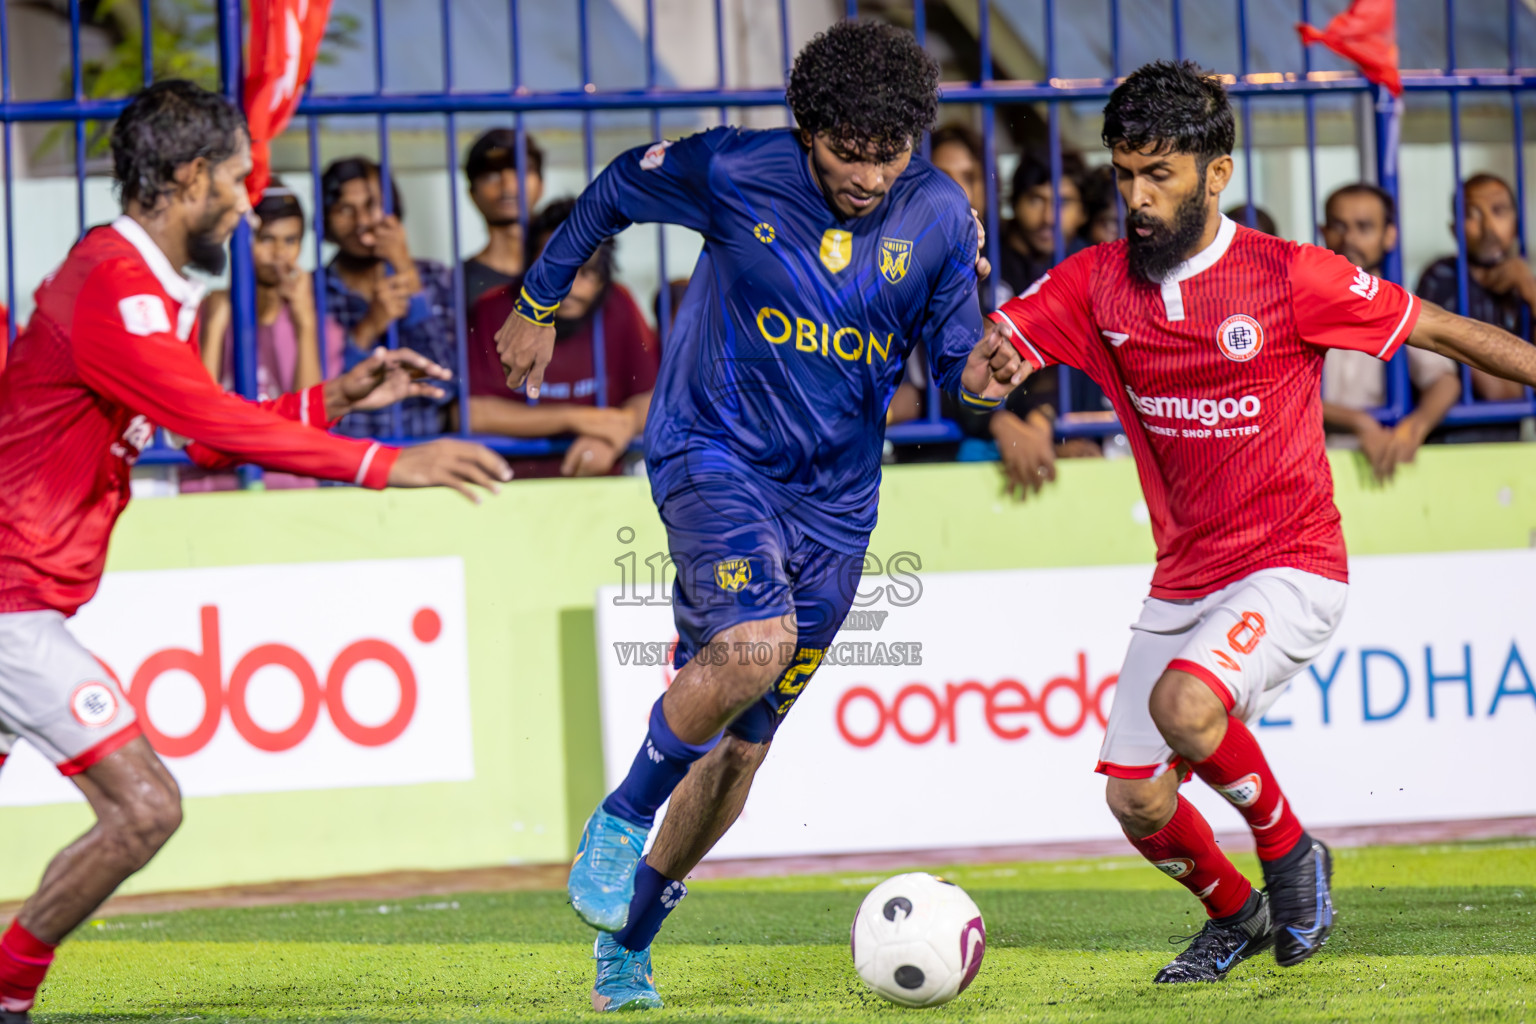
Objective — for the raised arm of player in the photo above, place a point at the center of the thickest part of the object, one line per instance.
(667, 182)
(952, 320)
(1479, 345)
(385, 377)
(974, 364)
(127, 351)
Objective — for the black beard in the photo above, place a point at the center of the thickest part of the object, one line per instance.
(206, 252)
(1158, 254)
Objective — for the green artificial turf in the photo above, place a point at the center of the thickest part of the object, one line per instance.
(1443, 933)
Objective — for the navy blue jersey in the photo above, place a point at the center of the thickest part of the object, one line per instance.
(790, 340)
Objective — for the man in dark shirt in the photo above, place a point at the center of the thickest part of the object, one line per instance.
(491, 168)
(1501, 289)
(568, 403)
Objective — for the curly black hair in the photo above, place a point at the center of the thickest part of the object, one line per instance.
(1174, 107)
(867, 86)
(166, 126)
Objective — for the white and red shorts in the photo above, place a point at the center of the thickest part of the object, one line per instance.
(1244, 641)
(56, 695)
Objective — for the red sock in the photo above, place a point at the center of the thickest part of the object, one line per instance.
(24, 960)
(1186, 850)
(1239, 772)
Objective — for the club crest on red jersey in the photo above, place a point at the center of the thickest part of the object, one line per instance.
(1240, 337)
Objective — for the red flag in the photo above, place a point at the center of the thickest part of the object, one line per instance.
(1365, 33)
(285, 37)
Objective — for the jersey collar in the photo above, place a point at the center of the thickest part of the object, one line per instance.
(187, 293)
(1206, 258)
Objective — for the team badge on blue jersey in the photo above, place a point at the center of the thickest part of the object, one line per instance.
(836, 249)
(733, 574)
(895, 257)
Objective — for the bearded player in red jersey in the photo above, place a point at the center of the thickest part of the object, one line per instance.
(108, 356)
(1209, 339)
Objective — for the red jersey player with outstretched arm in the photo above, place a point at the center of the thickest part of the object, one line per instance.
(1209, 340)
(106, 358)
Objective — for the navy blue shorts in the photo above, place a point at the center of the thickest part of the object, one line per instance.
(738, 562)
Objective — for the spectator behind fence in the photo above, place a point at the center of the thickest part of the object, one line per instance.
(1501, 289)
(1029, 239)
(491, 168)
(374, 283)
(287, 341)
(1101, 207)
(1028, 252)
(1360, 224)
(568, 398)
(1262, 221)
(956, 149)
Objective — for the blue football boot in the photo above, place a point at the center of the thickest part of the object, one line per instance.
(623, 978)
(602, 881)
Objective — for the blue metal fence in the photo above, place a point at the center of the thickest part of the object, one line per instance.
(1248, 85)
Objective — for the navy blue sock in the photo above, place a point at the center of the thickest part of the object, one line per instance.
(655, 896)
(660, 765)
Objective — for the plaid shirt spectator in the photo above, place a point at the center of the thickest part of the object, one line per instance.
(428, 328)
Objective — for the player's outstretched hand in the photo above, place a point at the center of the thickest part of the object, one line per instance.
(462, 465)
(1027, 450)
(385, 377)
(994, 366)
(525, 349)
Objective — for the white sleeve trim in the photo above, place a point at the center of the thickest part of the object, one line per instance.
(304, 408)
(1400, 325)
(1015, 331)
(362, 471)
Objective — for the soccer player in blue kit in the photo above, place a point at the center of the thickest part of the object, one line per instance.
(830, 250)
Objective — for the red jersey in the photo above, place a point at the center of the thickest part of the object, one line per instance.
(108, 356)
(1216, 375)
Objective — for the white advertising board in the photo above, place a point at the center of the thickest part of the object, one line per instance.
(258, 679)
(1422, 709)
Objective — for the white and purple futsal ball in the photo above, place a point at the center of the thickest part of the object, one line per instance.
(918, 940)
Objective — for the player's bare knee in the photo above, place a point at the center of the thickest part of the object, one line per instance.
(1142, 806)
(1185, 710)
(756, 654)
